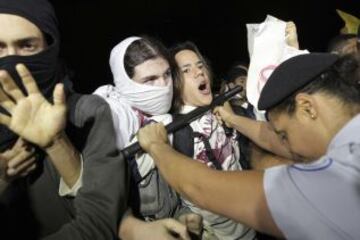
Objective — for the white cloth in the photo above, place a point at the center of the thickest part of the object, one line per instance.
(319, 200)
(128, 95)
(267, 49)
(65, 190)
(144, 161)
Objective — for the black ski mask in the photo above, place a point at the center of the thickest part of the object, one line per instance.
(43, 66)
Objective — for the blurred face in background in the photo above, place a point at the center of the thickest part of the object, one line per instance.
(241, 81)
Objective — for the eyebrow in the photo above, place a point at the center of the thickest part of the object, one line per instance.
(149, 77)
(189, 64)
(186, 65)
(274, 129)
(154, 75)
(27, 39)
(24, 40)
(277, 131)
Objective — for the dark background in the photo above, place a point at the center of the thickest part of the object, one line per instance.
(91, 28)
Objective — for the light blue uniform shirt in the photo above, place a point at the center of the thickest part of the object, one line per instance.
(321, 200)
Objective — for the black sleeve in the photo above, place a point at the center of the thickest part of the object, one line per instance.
(102, 200)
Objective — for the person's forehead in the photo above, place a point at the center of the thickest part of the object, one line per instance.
(17, 25)
(242, 67)
(152, 66)
(15, 18)
(186, 56)
(240, 79)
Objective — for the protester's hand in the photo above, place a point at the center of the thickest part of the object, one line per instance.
(291, 35)
(152, 134)
(224, 114)
(17, 161)
(33, 118)
(164, 229)
(193, 223)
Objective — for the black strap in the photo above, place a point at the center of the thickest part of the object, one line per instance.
(244, 148)
(183, 141)
(208, 150)
(133, 166)
(135, 173)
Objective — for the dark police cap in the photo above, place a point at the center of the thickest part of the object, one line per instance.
(292, 75)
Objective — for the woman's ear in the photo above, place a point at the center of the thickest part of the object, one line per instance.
(305, 106)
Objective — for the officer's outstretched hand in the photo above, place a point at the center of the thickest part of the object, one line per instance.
(152, 134)
(224, 114)
(33, 118)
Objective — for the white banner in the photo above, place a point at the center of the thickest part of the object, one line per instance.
(267, 49)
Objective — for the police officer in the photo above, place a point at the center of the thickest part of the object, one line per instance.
(313, 104)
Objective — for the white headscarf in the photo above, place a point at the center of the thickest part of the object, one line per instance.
(128, 94)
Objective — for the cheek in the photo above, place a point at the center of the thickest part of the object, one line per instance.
(158, 83)
(185, 95)
(303, 142)
(170, 80)
(189, 85)
(186, 91)
(297, 143)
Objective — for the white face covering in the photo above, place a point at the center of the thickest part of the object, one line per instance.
(153, 100)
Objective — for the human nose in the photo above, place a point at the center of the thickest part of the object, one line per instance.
(11, 51)
(7, 51)
(163, 81)
(198, 71)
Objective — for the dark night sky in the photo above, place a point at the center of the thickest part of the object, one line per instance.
(91, 28)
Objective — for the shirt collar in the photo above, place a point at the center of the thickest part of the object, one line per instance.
(349, 133)
(186, 109)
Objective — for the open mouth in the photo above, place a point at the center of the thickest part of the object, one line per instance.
(204, 88)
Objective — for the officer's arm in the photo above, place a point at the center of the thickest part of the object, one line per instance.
(237, 195)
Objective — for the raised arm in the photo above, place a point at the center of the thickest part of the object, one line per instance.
(36, 120)
(102, 199)
(237, 195)
(258, 132)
